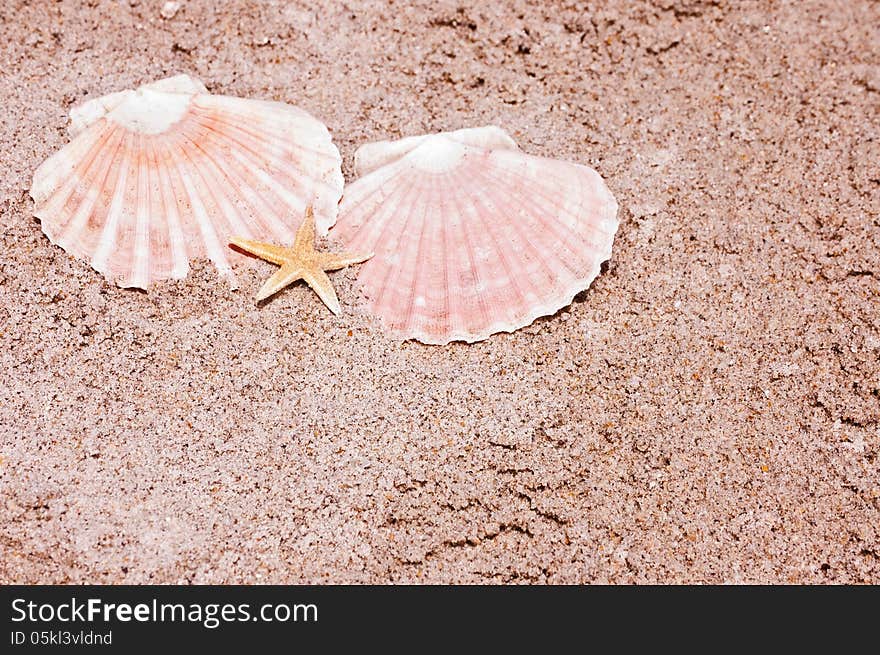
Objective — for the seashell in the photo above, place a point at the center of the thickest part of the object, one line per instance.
(157, 176)
(471, 236)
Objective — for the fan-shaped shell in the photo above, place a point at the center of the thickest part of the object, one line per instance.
(157, 176)
(471, 236)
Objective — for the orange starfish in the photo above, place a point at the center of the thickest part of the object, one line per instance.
(301, 262)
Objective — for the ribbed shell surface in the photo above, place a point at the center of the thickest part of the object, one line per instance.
(471, 236)
(140, 205)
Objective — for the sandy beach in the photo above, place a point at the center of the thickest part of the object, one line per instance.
(707, 412)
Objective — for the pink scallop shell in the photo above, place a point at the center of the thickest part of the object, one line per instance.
(157, 176)
(471, 236)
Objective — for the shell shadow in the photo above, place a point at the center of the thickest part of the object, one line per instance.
(580, 297)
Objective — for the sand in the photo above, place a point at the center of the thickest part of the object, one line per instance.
(708, 411)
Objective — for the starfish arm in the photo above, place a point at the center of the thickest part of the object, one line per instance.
(269, 252)
(332, 261)
(282, 277)
(305, 234)
(318, 280)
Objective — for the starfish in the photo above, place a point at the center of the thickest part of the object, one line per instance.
(301, 262)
